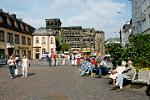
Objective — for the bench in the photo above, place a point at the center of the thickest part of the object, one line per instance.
(143, 78)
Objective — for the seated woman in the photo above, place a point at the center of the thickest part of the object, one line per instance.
(93, 66)
(87, 67)
(105, 66)
(116, 72)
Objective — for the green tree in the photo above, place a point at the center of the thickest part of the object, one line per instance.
(115, 50)
(65, 47)
(138, 50)
(58, 46)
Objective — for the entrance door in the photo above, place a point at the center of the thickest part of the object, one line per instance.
(37, 56)
(10, 51)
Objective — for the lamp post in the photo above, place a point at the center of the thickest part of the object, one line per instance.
(119, 12)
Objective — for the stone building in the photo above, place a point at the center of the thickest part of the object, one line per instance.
(99, 42)
(43, 43)
(81, 39)
(140, 16)
(15, 36)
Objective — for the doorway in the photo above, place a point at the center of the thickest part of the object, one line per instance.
(10, 51)
(37, 56)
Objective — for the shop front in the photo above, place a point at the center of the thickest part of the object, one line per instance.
(10, 49)
(2, 56)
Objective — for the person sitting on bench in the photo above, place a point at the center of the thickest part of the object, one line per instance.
(127, 74)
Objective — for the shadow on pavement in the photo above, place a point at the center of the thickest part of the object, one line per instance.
(30, 74)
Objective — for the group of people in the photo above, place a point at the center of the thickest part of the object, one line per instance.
(117, 74)
(125, 71)
(91, 66)
(14, 63)
(55, 59)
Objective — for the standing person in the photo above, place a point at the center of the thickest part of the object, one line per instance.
(53, 58)
(17, 61)
(49, 60)
(11, 64)
(25, 64)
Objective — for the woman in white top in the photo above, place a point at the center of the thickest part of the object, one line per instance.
(25, 64)
(115, 73)
(11, 64)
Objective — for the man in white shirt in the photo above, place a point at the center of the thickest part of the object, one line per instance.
(25, 64)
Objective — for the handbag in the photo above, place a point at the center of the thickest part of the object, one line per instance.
(16, 71)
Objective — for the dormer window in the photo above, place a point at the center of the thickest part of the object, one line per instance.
(27, 29)
(1, 19)
(16, 24)
(21, 26)
(9, 22)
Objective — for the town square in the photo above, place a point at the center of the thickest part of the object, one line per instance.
(74, 49)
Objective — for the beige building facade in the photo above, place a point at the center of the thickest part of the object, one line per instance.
(43, 43)
(15, 37)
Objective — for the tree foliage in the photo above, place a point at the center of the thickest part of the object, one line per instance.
(138, 50)
(58, 46)
(65, 47)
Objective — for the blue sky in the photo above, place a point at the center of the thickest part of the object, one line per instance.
(98, 14)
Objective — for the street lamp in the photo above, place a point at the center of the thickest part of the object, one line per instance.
(119, 12)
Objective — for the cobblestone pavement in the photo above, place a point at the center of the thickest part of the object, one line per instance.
(59, 83)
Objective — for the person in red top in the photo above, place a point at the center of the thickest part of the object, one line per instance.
(94, 62)
(53, 58)
(78, 61)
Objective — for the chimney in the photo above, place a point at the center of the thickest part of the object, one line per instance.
(13, 15)
(1, 10)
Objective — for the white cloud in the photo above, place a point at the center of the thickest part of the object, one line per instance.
(98, 14)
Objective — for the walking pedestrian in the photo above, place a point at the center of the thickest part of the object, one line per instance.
(49, 60)
(11, 64)
(25, 64)
(17, 61)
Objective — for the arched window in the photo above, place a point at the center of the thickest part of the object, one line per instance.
(43, 51)
(37, 50)
(52, 50)
(52, 40)
(43, 40)
(36, 40)
(1, 19)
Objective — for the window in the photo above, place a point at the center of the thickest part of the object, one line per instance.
(52, 40)
(9, 22)
(24, 52)
(52, 50)
(16, 24)
(17, 52)
(37, 50)
(1, 19)
(29, 41)
(10, 37)
(36, 40)
(22, 27)
(43, 40)
(2, 36)
(23, 40)
(43, 51)
(17, 39)
(27, 29)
